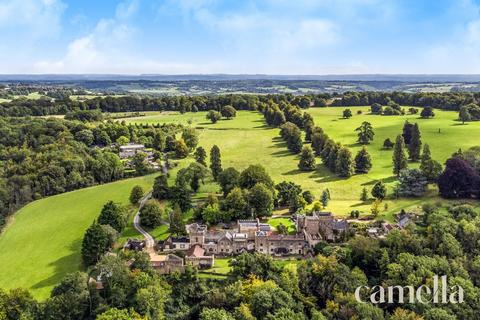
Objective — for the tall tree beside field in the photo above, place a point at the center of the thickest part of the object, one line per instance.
(177, 226)
(307, 159)
(427, 112)
(464, 114)
(260, 199)
(201, 156)
(180, 195)
(160, 187)
(181, 149)
(325, 198)
(253, 175)
(365, 133)
(309, 127)
(98, 239)
(364, 194)
(379, 190)
(213, 116)
(430, 168)
(333, 156)
(363, 161)
(151, 215)
(407, 132)
(228, 112)
(228, 179)
(292, 135)
(113, 215)
(318, 140)
(344, 163)
(190, 137)
(415, 144)
(399, 157)
(278, 118)
(136, 194)
(215, 161)
(347, 113)
(426, 154)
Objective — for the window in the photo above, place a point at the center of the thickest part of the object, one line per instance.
(182, 246)
(299, 251)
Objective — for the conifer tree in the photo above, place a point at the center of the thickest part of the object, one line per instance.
(114, 215)
(415, 144)
(426, 154)
(215, 161)
(364, 195)
(324, 199)
(399, 157)
(201, 156)
(344, 163)
(332, 157)
(379, 190)
(363, 161)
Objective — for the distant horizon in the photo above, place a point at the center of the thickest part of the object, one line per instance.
(239, 77)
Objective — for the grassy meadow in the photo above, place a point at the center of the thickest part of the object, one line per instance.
(42, 242)
(248, 140)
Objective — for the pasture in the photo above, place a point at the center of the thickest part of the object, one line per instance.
(42, 242)
(247, 140)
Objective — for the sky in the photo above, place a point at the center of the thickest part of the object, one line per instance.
(300, 37)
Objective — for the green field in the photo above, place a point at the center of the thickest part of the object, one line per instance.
(275, 221)
(247, 140)
(42, 242)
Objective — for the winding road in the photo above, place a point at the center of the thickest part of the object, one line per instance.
(149, 240)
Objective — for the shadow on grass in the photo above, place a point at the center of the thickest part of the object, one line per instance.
(62, 266)
(360, 204)
(281, 153)
(385, 180)
(322, 174)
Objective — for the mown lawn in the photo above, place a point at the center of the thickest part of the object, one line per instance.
(274, 222)
(247, 140)
(42, 242)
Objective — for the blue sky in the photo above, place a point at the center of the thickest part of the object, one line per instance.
(240, 36)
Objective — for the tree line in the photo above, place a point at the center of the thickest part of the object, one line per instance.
(43, 157)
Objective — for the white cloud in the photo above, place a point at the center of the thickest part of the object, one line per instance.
(40, 17)
(103, 50)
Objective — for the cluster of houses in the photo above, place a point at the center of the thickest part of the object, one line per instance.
(129, 150)
(402, 220)
(202, 245)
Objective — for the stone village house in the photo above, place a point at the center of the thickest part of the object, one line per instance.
(201, 245)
